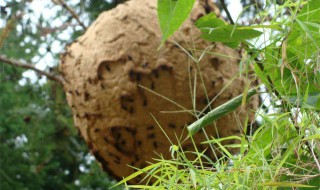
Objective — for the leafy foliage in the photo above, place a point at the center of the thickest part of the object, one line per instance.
(39, 147)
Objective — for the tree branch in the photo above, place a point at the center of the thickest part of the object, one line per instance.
(17, 63)
(74, 15)
(224, 6)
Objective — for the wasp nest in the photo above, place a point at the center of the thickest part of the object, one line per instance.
(118, 85)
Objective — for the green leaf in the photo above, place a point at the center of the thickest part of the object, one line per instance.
(171, 15)
(273, 26)
(284, 184)
(230, 33)
(310, 12)
(218, 112)
(312, 100)
(210, 21)
(232, 45)
(312, 137)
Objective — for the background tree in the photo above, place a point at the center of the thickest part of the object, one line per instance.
(39, 147)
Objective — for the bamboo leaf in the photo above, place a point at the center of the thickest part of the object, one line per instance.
(229, 33)
(210, 21)
(171, 14)
(284, 184)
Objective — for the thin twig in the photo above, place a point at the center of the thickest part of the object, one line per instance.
(74, 15)
(224, 6)
(17, 63)
(314, 155)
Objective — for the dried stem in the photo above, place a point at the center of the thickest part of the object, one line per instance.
(17, 63)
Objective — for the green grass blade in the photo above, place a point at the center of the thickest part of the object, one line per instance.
(284, 184)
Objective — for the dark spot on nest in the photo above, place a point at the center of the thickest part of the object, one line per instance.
(207, 110)
(131, 130)
(136, 158)
(106, 140)
(145, 103)
(236, 131)
(116, 161)
(155, 145)
(129, 58)
(139, 143)
(86, 96)
(215, 63)
(89, 145)
(108, 68)
(127, 98)
(131, 75)
(145, 65)
(137, 180)
(151, 127)
(138, 76)
(199, 16)
(205, 101)
(119, 148)
(152, 86)
(77, 93)
(166, 68)
(172, 126)
(143, 165)
(155, 73)
(207, 8)
(124, 108)
(100, 158)
(123, 142)
(151, 136)
(220, 79)
(213, 83)
(114, 156)
(96, 130)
